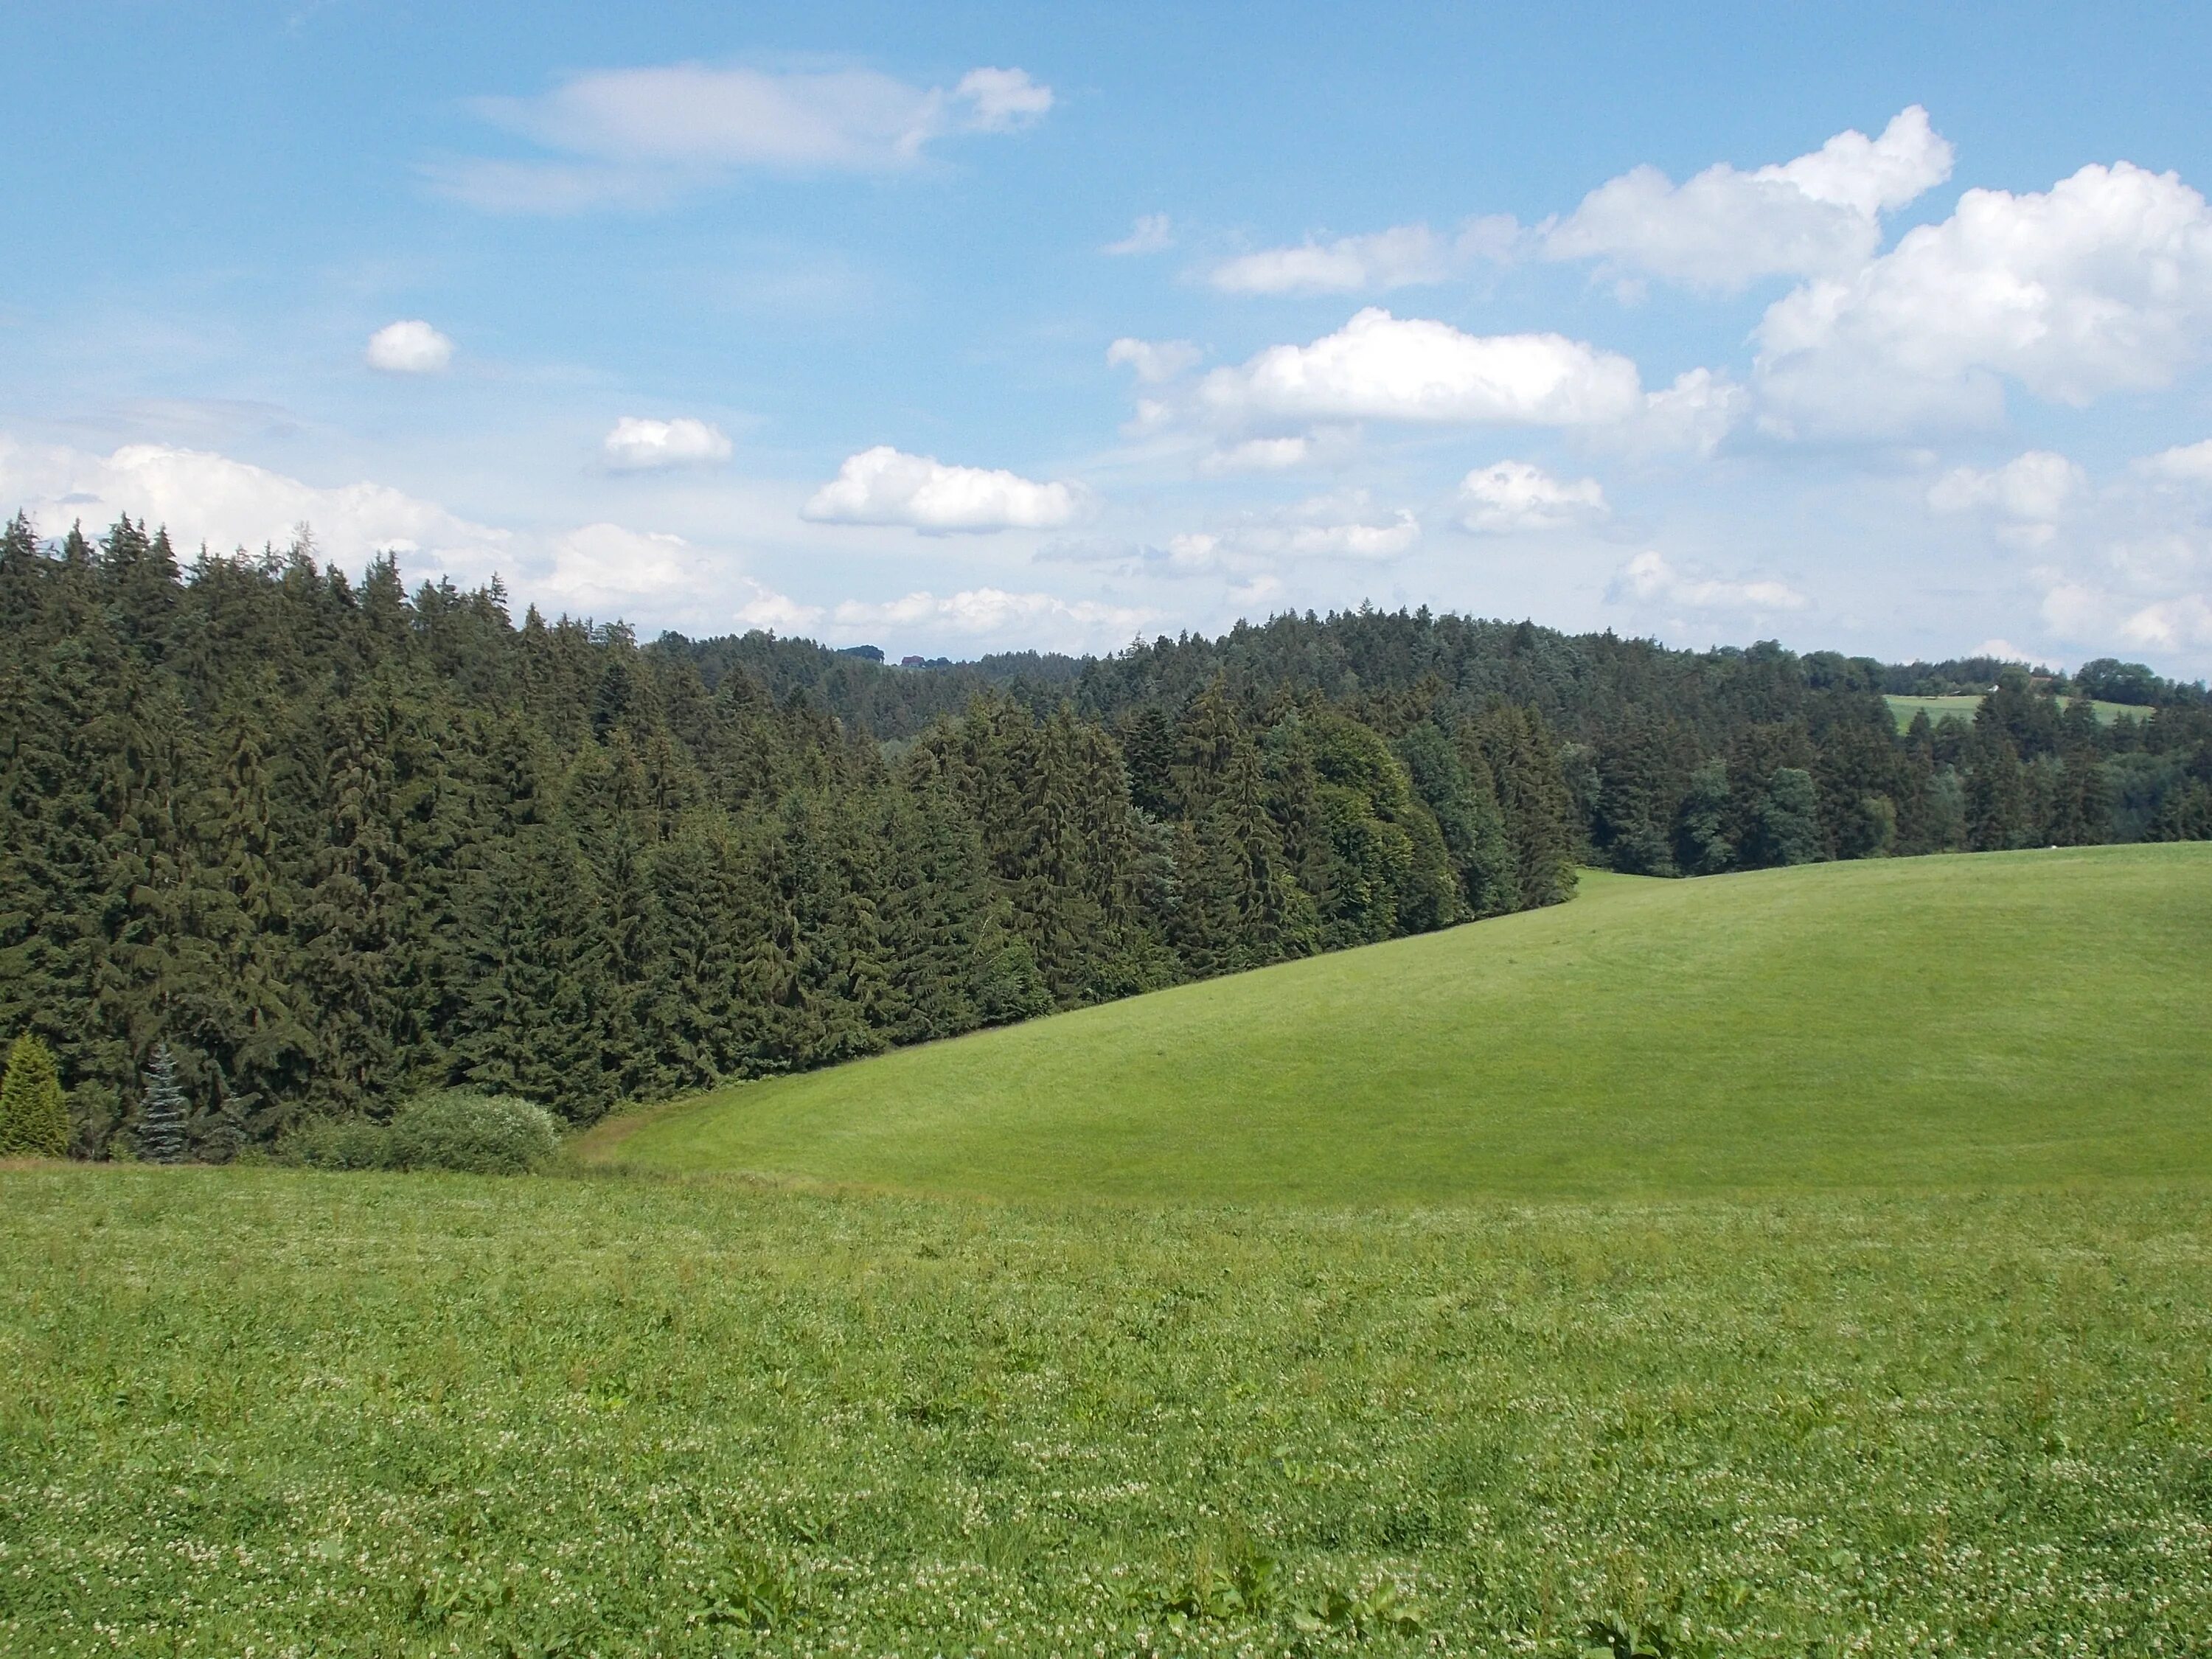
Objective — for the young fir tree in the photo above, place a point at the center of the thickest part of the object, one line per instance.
(33, 1117)
(162, 1118)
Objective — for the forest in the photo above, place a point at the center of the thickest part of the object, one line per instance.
(332, 843)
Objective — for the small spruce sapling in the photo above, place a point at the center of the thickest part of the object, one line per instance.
(33, 1116)
(161, 1119)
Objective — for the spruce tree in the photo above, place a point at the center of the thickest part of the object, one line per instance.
(1789, 818)
(162, 1118)
(33, 1116)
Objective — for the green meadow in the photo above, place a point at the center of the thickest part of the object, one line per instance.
(1894, 1024)
(1812, 1262)
(1962, 708)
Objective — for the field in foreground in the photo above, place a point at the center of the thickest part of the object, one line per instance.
(1907, 1024)
(262, 1412)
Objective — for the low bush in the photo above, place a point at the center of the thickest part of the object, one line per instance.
(337, 1143)
(455, 1129)
(474, 1134)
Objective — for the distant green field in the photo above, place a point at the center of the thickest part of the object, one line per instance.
(1904, 708)
(1901, 1024)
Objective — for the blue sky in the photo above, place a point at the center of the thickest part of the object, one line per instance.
(962, 328)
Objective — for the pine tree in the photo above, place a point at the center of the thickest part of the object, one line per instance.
(1790, 819)
(34, 1115)
(1702, 846)
(1148, 742)
(162, 1116)
(1996, 797)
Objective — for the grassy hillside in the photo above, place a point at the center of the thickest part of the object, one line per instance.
(249, 1410)
(1904, 708)
(1910, 1023)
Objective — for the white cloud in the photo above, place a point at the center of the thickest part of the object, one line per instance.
(1648, 581)
(1262, 455)
(1400, 257)
(773, 612)
(2171, 625)
(1152, 233)
(2184, 464)
(638, 136)
(2003, 650)
(2135, 569)
(1002, 99)
(412, 347)
(992, 612)
(2028, 495)
(599, 568)
(1513, 495)
(1380, 366)
(1692, 415)
(2101, 284)
(1722, 228)
(2100, 612)
(1154, 361)
(640, 445)
(204, 497)
(1336, 528)
(887, 486)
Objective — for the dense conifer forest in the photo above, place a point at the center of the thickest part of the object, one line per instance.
(334, 843)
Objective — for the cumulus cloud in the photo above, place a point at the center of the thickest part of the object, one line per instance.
(1401, 256)
(1692, 416)
(1723, 229)
(1154, 361)
(412, 347)
(886, 486)
(2171, 625)
(1514, 496)
(2028, 495)
(992, 612)
(2103, 284)
(2102, 610)
(1154, 233)
(2133, 572)
(1338, 527)
(204, 497)
(635, 136)
(1380, 366)
(773, 612)
(600, 567)
(1648, 582)
(637, 445)
(2185, 463)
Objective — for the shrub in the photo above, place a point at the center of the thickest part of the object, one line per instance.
(476, 1134)
(337, 1143)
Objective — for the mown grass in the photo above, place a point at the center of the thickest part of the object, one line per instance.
(261, 1412)
(1902, 710)
(1898, 1024)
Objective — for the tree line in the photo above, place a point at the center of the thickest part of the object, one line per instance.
(328, 844)
(334, 843)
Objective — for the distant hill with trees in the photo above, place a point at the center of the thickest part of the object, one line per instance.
(336, 842)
